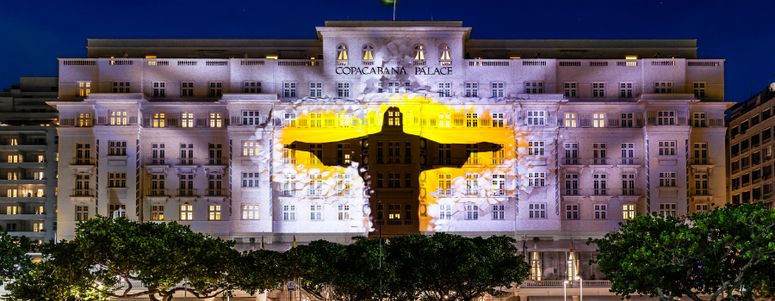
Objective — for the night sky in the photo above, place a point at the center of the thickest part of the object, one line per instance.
(34, 33)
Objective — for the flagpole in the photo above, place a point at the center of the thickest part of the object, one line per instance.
(394, 9)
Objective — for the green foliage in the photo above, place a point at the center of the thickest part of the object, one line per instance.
(727, 252)
(13, 260)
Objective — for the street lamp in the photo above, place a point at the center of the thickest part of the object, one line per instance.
(565, 290)
(581, 287)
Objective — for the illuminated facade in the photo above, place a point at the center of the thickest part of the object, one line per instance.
(28, 161)
(750, 148)
(386, 128)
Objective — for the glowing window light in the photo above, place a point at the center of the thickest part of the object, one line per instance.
(214, 212)
(84, 88)
(118, 118)
(216, 120)
(250, 212)
(342, 55)
(368, 53)
(159, 120)
(628, 211)
(186, 212)
(598, 120)
(157, 212)
(250, 148)
(444, 58)
(187, 120)
(419, 54)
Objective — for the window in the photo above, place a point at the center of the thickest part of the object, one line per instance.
(599, 153)
(186, 212)
(627, 120)
(444, 58)
(342, 55)
(157, 184)
(343, 212)
(37, 227)
(701, 207)
(498, 157)
(625, 90)
(186, 89)
(472, 120)
(472, 184)
(663, 87)
(81, 213)
(84, 120)
(599, 184)
(316, 212)
(628, 184)
(445, 89)
(537, 210)
(628, 211)
(84, 88)
(116, 179)
(598, 89)
(315, 153)
(536, 179)
(214, 212)
(215, 89)
(498, 184)
(368, 54)
(343, 90)
(497, 89)
(570, 89)
(666, 118)
(667, 179)
(598, 120)
(666, 148)
(535, 148)
(419, 54)
(187, 120)
(215, 185)
(601, 211)
(699, 89)
(289, 89)
(472, 153)
(667, 209)
(571, 184)
(343, 184)
(82, 154)
(628, 153)
(251, 118)
(315, 185)
(289, 185)
(118, 118)
(159, 120)
(250, 148)
(186, 154)
(82, 185)
(250, 179)
(445, 211)
(216, 120)
(445, 153)
(571, 153)
(116, 148)
(700, 153)
(497, 120)
(157, 153)
(158, 89)
(472, 212)
(120, 87)
(699, 120)
(536, 118)
(701, 184)
(471, 89)
(572, 211)
(570, 120)
(534, 87)
(498, 212)
(289, 212)
(249, 212)
(186, 185)
(316, 89)
(445, 184)
(251, 87)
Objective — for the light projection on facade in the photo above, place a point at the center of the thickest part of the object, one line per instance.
(404, 160)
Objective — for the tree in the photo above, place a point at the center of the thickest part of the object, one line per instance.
(13, 258)
(726, 254)
(109, 257)
(261, 270)
(467, 268)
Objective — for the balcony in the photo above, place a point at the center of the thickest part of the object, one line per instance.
(628, 161)
(600, 161)
(83, 193)
(559, 284)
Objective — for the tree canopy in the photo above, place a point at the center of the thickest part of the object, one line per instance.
(13, 258)
(726, 254)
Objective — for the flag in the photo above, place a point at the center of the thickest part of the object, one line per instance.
(262, 242)
(388, 2)
(294, 242)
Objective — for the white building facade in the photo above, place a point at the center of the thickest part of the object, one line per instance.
(205, 132)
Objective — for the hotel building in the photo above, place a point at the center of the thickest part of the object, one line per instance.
(386, 128)
(28, 159)
(750, 148)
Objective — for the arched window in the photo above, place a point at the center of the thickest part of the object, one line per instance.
(341, 55)
(368, 54)
(444, 58)
(419, 54)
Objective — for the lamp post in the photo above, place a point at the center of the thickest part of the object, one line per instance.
(581, 288)
(291, 287)
(565, 290)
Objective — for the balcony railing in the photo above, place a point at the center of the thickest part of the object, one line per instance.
(559, 283)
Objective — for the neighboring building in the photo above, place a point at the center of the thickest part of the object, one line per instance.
(258, 140)
(28, 159)
(750, 148)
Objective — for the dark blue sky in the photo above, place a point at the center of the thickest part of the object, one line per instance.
(35, 32)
